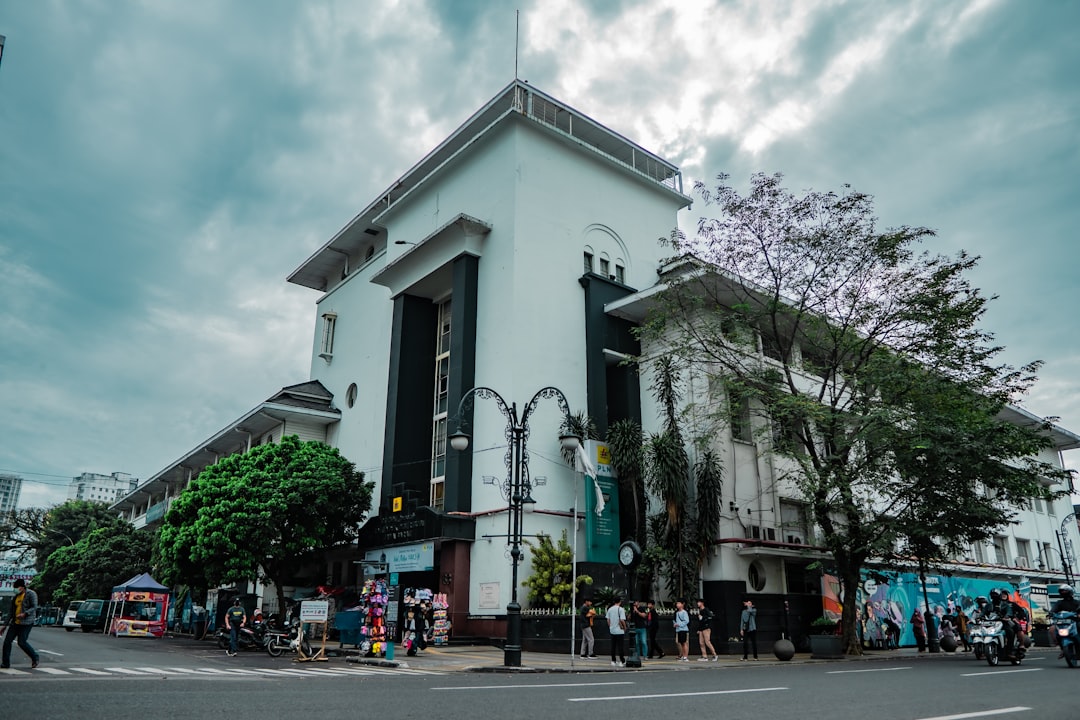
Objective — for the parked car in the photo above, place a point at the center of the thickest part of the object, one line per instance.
(92, 615)
(69, 623)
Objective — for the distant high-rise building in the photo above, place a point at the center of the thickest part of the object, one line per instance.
(10, 485)
(101, 488)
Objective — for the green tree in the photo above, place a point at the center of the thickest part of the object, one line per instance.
(824, 322)
(268, 511)
(686, 526)
(38, 532)
(552, 570)
(627, 445)
(100, 560)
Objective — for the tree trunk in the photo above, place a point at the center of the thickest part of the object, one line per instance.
(849, 579)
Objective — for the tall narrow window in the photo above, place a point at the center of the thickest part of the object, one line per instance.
(438, 425)
(604, 267)
(588, 262)
(739, 415)
(327, 347)
(620, 273)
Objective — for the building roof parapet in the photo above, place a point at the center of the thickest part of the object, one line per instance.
(518, 99)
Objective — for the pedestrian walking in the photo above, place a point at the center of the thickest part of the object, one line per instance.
(20, 622)
(704, 632)
(681, 622)
(616, 620)
(652, 627)
(748, 628)
(586, 615)
(235, 618)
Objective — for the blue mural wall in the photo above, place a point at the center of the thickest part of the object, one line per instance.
(892, 597)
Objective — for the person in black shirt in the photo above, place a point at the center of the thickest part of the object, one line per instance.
(235, 618)
(652, 627)
(704, 632)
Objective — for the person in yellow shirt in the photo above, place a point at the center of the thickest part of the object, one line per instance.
(23, 614)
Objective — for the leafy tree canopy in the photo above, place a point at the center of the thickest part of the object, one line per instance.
(865, 363)
(100, 560)
(271, 509)
(41, 531)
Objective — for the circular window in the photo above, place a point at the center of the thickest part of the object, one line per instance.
(350, 395)
(756, 576)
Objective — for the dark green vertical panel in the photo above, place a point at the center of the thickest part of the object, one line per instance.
(409, 402)
(458, 491)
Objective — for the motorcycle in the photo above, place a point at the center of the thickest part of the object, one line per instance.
(278, 641)
(988, 638)
(1065, 629)
(245, 639)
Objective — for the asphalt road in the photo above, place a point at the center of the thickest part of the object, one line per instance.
(90, 677)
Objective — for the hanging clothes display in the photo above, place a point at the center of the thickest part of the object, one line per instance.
(373, 630)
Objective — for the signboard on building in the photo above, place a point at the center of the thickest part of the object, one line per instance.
(601, 505)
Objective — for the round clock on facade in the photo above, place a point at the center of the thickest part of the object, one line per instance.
(629, 554)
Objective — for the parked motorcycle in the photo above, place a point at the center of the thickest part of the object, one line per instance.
(1065, 629)
(988, 637)
(278, 641)
(245, 639)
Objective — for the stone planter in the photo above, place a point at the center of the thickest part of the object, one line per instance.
(826, 647)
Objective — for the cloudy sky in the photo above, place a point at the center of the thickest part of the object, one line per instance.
(165, 165)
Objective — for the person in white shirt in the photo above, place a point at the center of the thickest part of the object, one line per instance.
(616, 621)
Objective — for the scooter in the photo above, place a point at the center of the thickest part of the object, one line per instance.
(1065, 629)
(988, 637)
(276, 641)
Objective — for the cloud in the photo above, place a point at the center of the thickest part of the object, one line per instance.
(165, 167)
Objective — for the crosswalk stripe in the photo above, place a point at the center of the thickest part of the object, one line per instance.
(159, 671)
(353, 670)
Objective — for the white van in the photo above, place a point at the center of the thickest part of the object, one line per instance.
(69, 623)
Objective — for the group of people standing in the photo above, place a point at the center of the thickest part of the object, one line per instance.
(641, 622)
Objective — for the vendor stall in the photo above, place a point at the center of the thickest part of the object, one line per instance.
(142, 608)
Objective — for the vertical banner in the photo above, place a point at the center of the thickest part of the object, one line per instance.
(601, 505)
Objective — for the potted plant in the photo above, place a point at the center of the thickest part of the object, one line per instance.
(824, 642)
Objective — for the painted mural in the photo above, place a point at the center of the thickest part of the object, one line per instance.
(886, 600)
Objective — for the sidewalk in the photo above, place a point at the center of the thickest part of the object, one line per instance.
(490, 659)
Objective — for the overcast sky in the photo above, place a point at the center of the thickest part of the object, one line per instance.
(165, 165)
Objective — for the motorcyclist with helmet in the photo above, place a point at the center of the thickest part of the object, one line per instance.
(1067, 603)
(1013, 618)
(982, 609)
(1000, 606)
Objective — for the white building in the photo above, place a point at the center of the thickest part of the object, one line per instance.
(10, 487)
(95, 487)
(514, 256)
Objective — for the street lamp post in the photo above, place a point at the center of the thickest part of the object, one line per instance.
(518, 487)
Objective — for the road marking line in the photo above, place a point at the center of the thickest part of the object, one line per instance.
(129, 671)
(13, 671)
(50, 652)
(841, 672)
(984, 713)
(548, 685)
(161, 671)
(1000, 672)
(674, 695)
(89, 671)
